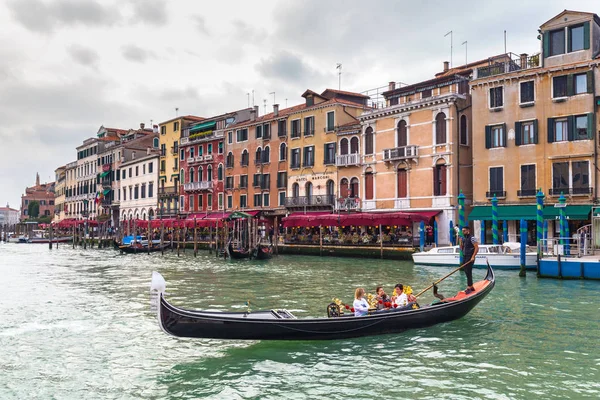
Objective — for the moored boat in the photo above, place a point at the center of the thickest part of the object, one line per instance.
(140, 248)
(238, 252)
(283, 325)
(504, 256)
(263, 252)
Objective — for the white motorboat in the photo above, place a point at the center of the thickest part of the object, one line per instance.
(504, 256)
(15, 238)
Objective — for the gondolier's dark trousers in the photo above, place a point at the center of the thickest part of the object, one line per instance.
(469, 272)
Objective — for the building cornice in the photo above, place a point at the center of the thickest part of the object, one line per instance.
(412, 106)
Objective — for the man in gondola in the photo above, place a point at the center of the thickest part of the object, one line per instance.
(470, 248)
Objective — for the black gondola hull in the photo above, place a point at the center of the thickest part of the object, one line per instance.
(265, 325)
(264, 252)
(142, 249)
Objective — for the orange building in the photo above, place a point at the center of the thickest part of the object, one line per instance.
(43, 193)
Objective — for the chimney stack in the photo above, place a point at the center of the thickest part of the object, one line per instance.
(142, 125)
(275, 110)
(253, 115)
(523, 58)
(446, 66)
(391, 85)
(256, 110)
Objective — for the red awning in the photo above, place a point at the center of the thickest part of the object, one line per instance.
(353, 219)
(425, 214)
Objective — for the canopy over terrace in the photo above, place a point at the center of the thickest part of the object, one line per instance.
(356, 219)
(69, 223)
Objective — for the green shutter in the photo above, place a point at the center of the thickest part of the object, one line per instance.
(546, 39)
(570, 85)
(590, 125)
(325, 160)
(535, 131)
(488, 137)
(550, 130)
(586, 35)
(505, 134)
(517, 133)
(571, 128)
(590, 81)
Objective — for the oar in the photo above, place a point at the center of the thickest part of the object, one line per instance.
(435, 283)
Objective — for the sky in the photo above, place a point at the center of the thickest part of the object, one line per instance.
(68, 67)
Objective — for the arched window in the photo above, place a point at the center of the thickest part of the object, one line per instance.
(354, 145)
(220, 172)
(229, 161)
(354, 188)
(296, 190)
(344, 189)
(344, 146)
(155, 143)
(402, 134)
(282, 152)
(258, 156)
(308, 189)
(369, 184)
(440, 128)
(266, 155)
(200, 173)
(181, 176)
(369, 140)
(245, 158)
(209, 176)
(464, 138)
(191, 175)
(151, 214)
(330, 187)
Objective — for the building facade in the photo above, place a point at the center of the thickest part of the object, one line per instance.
(138, 185)
(169, 168)
(202, 161)
(535, 124)
(59, 194)
(8, 216)
(70, 189)
(43, 194)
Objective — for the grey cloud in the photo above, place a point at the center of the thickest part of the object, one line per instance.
(248, 33)
(83, 55)
(200, 23)
(42, 17)
(150, 11)
(287, 67)
(136, 54)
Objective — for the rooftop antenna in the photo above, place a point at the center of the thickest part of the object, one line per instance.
(339, 67)
(265, 106)
(273, 93)
(505, 41)
(285, 103)
(177, 111)
(248, 94)
(450, 33)
(465, 43)
(252, 97)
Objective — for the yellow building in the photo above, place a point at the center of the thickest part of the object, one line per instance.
(535, 124)
(59, 193)
(312, 147)
(169, 174)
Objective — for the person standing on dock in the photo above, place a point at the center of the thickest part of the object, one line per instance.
(470, 248)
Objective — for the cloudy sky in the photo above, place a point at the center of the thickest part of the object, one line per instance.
(69, 66)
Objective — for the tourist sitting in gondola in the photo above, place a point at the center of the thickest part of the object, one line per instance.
(383, 300)
(399, 298)
(360, 305)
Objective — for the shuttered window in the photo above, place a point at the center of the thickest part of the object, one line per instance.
(368, 185)
(402, 183)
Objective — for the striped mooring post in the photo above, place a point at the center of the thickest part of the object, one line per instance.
(522, 255)
(539, 200)
(495, 220)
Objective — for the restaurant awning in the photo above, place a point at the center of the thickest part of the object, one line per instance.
(203, 126)
(528, 212)
(353, 219)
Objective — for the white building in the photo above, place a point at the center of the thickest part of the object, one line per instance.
(85, 179)
(8, 216)
(139, 184)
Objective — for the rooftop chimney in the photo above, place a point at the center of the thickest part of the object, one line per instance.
(446, 66)
(523, 58)
(256, 110)
(275, 110)
(391, 85)
(142, 125)
(155, 129)
(253, 114)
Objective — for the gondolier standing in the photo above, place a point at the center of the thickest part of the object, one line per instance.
(469, 247)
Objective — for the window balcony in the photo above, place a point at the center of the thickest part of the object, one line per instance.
(346, 160)
(506, 64)
(208, 157)
(526, 193)
(348, 204)
(576, 191)
(497, 193)
(184, 140)
(192, 186)
(310, 201)
(191, 160)
(168, 191)
(401, 153)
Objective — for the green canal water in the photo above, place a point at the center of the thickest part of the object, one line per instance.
(75, 324)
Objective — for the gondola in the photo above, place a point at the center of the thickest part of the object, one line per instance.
(238, 253)
(283, 325)
(139, 248)
(263, 252)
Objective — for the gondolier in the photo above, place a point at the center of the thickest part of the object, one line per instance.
(469, 247)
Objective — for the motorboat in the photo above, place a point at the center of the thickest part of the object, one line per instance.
(500, 256)
(283, 325)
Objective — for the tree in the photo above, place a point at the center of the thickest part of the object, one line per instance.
(33, 209)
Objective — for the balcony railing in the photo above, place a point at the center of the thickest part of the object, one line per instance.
(526, 193)
(401, 153)
(207, 157)
(348, 203)
(310, 201)
(571, 191)
(508, 63)
(344, 160)
(497, 193)
(204, 185)
(184, 140)
(168, 191)
(191, 160)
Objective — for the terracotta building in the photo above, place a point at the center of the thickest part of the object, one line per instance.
(535, 126)
(43, 193)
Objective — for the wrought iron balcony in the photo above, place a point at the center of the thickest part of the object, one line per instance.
(204, 185)
(497, 193)
(310, 201)
(345, 160)
(168, 191)
(586, 190)
(508, 63)
(348, 203)
(526, 193)
(401, 153)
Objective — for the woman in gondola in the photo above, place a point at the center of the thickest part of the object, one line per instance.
(382, 298)
(361, 307)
